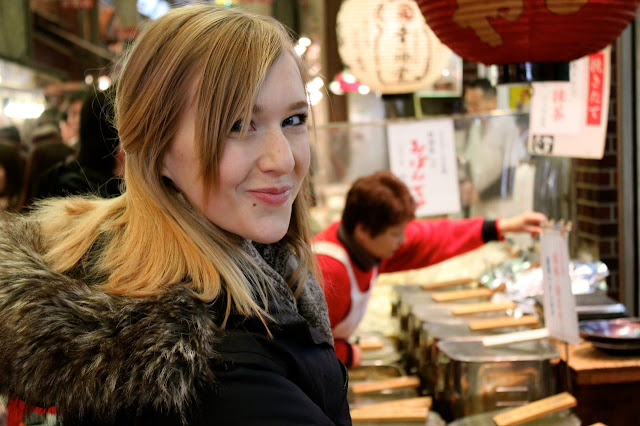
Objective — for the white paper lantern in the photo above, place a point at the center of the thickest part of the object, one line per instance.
(388, 46)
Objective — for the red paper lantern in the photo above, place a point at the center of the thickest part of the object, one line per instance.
(517, 31)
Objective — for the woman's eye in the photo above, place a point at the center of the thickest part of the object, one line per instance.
(295, 120)
(237, 127)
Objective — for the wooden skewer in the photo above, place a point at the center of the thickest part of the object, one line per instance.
(490, 323)
(535, 410)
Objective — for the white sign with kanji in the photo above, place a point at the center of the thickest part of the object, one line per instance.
(560, 316)
(569, 119)
(422, 154)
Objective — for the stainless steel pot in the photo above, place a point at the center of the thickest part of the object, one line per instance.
(472, 378)
(427, 352)
(433, 314)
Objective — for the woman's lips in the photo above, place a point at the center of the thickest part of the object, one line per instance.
(272, 196)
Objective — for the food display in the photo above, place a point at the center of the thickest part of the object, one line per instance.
(436, 319)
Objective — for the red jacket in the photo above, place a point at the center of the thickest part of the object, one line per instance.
(427, 243)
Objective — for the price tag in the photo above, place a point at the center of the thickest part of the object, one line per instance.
(560, 316)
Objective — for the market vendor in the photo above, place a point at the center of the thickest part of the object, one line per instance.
(378, 234)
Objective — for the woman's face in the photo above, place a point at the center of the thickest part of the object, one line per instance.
(260, 174)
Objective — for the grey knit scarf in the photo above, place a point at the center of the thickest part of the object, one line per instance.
(279, 263)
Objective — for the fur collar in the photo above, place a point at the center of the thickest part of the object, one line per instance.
(68, 344)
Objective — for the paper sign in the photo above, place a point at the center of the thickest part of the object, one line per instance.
(422, 155)
(560, 316)
(569, 119)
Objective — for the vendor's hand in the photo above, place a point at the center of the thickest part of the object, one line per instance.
(356, 356)
(530, 222)
(468, 194)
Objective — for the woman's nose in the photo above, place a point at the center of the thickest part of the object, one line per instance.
(277, 156)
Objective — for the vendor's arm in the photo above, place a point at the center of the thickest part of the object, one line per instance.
(530, 222)
(432, 241)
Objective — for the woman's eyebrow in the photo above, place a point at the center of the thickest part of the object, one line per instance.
(296, 105)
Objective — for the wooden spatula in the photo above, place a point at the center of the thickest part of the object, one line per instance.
(404, 410)
(506, 321)
(535, 410)
(380, 385)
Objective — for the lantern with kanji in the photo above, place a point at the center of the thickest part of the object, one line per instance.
(519, 31)
(387, 45)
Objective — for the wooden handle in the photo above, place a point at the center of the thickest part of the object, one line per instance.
(412, 409)
(489, 323)
(370, 344)
(379, 385)
(450, 283)
(476, 308)
(535, 410)
(448, 296)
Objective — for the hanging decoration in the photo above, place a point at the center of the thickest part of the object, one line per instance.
(387, 45)
(519, 31)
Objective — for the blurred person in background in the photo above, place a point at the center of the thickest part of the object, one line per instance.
(41, 157)
(11, 176)
(43, 133)
(99, 163)
(378, 233)
(11, 134)
(491, 154)
(70, 120)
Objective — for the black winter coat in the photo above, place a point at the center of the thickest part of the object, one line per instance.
(162, 360)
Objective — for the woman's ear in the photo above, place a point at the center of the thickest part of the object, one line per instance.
(167, 168)
(361, 233)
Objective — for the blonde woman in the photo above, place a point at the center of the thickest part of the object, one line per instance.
(191, 298)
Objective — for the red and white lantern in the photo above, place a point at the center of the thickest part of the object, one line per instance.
(388, 46)
(517, 31)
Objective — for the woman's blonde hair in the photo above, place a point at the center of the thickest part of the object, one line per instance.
(155, 238)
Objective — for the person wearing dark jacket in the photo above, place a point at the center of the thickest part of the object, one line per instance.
(191, 298)
(96, 167)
